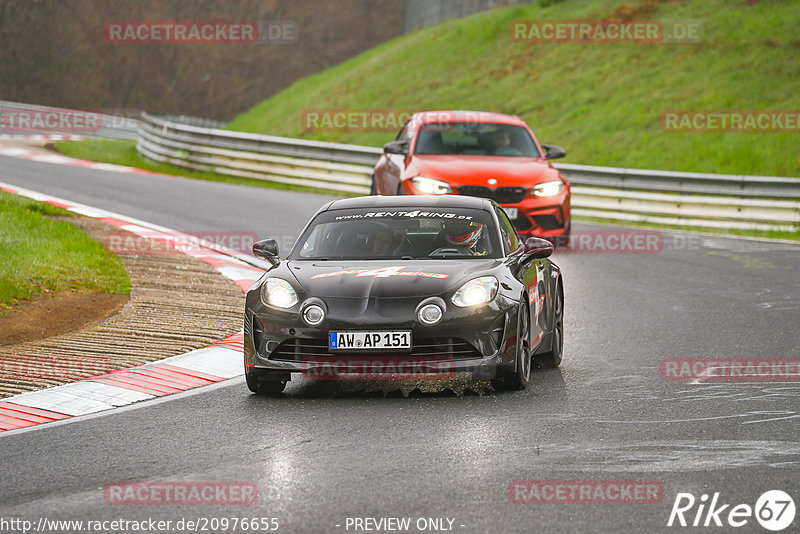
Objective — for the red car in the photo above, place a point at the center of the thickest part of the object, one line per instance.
(479, 154)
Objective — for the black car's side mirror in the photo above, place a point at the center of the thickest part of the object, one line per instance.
(537, 248)
(267, 249)
(395, 147)
(554, 151)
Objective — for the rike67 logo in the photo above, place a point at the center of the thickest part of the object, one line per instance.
(774, 510)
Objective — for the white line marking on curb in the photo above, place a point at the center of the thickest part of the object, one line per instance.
(211, 360)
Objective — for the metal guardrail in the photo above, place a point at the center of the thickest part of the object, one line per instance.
(711, 200)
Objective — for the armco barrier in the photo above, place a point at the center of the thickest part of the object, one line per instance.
(698, 199)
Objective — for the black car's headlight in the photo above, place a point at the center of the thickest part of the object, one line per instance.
(477, 291)
(431, 186)
(279, 293)
(548, 189)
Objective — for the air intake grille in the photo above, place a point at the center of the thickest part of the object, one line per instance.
(501, 195)
(296, 350)
(548, 222)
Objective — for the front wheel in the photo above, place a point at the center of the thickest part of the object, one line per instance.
(518, 379)
(260, 384)
(553, 358)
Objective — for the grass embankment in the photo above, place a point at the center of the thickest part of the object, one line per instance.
(38, 253)
(603, 102)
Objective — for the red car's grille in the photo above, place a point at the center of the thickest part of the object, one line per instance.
(501, 195)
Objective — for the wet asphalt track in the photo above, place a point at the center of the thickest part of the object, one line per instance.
(327, 451)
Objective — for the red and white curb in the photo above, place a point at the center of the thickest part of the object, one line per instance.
(34, 154)
(220, 361)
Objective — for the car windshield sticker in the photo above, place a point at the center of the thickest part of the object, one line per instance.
(416, 213)
(384, 272)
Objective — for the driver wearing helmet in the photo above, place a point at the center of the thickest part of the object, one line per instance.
(465, 234)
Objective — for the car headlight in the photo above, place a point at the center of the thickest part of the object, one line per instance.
(478, 291)
(548, 189)
(431, 186)
(279, 293)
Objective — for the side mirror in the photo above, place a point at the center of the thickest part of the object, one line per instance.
(537, 248)
(395, 147)
(554, 152)
(267, 249)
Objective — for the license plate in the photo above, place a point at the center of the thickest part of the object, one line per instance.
(511, 212)
(362, 340)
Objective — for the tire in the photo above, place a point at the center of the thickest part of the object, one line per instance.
(519, 378)
(552, 359)
(261, 385)
(373, 188)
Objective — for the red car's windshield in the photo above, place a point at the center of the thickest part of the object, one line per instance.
(475, 139)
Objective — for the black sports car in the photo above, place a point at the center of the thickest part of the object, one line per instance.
(398, 284)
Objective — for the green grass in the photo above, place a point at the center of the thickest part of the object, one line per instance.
(123, 152)
(38, 253)
(602, 102)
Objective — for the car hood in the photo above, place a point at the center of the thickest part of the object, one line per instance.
(477, 170)
(384, 279)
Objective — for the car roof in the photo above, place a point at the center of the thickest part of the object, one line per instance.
(425, 117)
(409, 201)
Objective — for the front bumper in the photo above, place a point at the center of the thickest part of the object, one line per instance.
(541, 221)
(546, 217)
(476, 340)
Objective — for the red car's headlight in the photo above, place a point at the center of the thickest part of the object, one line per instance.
(548, 189)
(431, 186)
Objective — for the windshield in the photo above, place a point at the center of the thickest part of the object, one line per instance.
(398, 233)
(476, 139)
